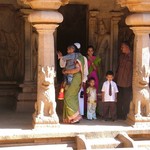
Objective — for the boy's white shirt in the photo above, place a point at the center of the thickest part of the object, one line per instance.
(105, 89)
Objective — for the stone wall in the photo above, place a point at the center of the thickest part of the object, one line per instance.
(11, 44)
(102, 5)
(11, 52)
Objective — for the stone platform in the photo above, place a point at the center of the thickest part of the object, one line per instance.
(16, 132)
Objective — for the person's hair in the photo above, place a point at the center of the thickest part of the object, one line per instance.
(72, 46)
(90, 79)
(90, 46)
(126, 43)
(109, 73)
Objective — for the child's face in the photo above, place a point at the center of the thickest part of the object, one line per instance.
(109, 77)
(70, 50)
(92, 83)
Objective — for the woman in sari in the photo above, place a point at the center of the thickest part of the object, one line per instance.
(94, 66)
(71, 112)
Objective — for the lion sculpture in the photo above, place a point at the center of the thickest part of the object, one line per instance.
(140, 105)
(45, 107)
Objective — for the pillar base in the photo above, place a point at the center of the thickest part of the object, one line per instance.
(138, 121)
(45, 121)
(27, 98)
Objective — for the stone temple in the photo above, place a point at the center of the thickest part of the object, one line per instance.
(31, 32)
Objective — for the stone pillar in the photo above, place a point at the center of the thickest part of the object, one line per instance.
(93, 27)
(139, 114)
(45, 19)
(114, 41)
(27, 97)
(140, 106)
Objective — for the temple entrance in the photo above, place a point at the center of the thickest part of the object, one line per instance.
(72, 29)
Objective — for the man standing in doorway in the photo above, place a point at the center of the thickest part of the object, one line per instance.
(124, 80)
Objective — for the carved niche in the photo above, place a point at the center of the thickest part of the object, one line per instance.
(99, 37)
(11, 44)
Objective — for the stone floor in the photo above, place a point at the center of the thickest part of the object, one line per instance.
(19, 125)
(22, 122)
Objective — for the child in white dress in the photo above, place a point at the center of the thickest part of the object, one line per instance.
(92, 100)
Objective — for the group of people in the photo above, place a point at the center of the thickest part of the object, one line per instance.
(80, 87)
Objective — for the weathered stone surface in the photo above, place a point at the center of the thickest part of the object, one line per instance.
(140, 106)
(136, 5)
(45, 17)
(45, 107)
(138, 19)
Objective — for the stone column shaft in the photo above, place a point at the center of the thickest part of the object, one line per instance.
(28, 51)
(93, 21)
(27, 97)
(46, 44)
(114, 43)
(141, 46)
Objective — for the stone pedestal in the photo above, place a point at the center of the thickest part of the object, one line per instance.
(139, 114)
(26, 99)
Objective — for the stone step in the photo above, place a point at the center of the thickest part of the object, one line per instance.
(104, 143)
(143, 143)
(37, 147)
(143, 148)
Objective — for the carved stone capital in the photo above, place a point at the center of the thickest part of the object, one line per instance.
(136, 5)
(43, 4)
(23, 3)
(45, 17)
(45, 28)
(93, 13)
(26, 12)
(141, 30)
(138, 19)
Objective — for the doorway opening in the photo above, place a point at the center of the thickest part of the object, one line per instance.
(72, 29)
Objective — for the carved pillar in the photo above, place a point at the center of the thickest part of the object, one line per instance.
(45, 19)
(93, 22)
(114, 41)
(27, 97)
(140, 106)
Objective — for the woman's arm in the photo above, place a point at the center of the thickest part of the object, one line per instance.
(93, 65)
(72, 71)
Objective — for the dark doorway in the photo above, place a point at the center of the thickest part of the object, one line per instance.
(72, 29)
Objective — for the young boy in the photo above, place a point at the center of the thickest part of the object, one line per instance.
(91, 100)
(109, 97)
(67, 62)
